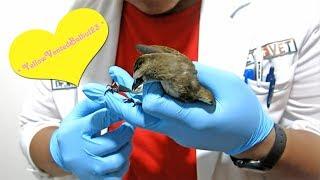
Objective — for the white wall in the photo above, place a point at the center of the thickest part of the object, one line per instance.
(17, 16)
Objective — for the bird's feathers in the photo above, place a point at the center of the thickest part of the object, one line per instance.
(174, 70)
(168, 64)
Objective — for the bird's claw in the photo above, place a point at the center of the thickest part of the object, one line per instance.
(115, 88)
(131, 100)
(109, 90)
(112, 88)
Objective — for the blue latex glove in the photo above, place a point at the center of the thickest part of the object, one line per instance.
(77, 146)
(236, 124)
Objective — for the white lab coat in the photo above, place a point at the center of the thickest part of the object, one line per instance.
(224, 43)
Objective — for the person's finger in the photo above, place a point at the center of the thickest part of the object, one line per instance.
(132, 114)
(222, 85)
(112, 101)
(84, 108)
(116, 105)
(110, 142)
(220, 81)
(157, 104)
(95, 92)
(118, 174)
(111, 163)
(121, 76)
(96, 121)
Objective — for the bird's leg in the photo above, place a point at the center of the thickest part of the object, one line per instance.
(131, 100)
(112, 88)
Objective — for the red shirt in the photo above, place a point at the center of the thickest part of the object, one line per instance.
(156, 156)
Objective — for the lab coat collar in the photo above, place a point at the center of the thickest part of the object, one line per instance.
(96, 71)
(224, 44)
(223, 39)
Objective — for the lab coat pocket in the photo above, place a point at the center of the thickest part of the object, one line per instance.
(280, 95)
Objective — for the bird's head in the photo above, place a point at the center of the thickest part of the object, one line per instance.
(138, 72)
(150, 62)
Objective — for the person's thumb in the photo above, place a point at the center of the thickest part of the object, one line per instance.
(157, 103)
(121, 76)
(96, 122)
(84, 108)
(95, 92)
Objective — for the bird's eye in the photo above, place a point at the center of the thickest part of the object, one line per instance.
(138, 64)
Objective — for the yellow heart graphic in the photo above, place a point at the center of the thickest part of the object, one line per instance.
(39, 54)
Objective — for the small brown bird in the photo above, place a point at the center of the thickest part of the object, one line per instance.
(176, 73)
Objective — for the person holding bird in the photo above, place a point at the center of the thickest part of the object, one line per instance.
(180, 102)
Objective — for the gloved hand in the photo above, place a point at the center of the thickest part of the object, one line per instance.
(236, 124)
(77, 146)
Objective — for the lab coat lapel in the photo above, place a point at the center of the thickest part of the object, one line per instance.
(223, 41)
(223, 44)
(65, 100)
(96, 72)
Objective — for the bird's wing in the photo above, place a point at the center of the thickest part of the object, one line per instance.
(164, 66)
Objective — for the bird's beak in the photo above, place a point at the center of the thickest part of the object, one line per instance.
(137, 83)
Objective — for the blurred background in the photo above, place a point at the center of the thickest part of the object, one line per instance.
(17, 16)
